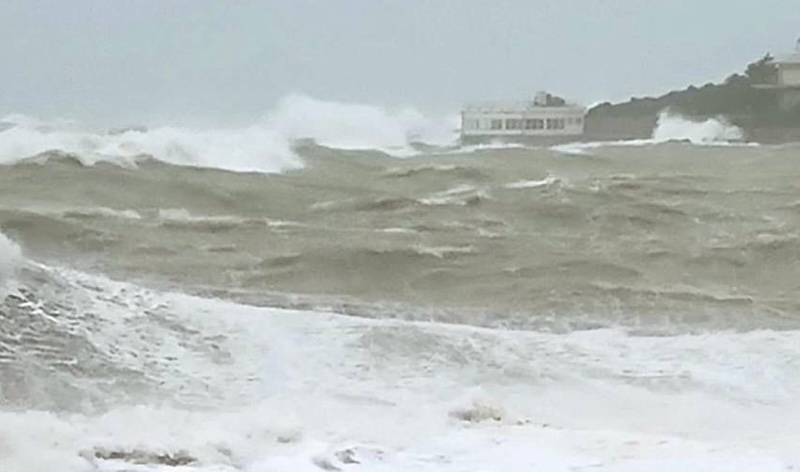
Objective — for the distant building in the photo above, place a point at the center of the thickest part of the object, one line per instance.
(545, 119)
(787, 79)
(789, 70)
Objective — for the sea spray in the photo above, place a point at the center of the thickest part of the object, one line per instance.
(10, 257)
(266, 146)
(248, 149)
(672, 126)
(358, 126)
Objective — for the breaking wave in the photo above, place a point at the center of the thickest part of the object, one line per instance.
(619, 314)
(359, 127)
(674, 127)
(109, 376)
(249, 149)
(266, 146)
(10, 257)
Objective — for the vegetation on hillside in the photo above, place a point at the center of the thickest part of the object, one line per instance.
(738, 99)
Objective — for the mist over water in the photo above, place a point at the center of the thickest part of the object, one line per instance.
(341, 287)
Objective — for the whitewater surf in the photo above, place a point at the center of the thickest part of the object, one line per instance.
(239, 300)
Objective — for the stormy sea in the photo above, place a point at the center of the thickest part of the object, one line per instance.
(344, 288)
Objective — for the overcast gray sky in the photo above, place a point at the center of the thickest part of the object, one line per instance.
(220, 61)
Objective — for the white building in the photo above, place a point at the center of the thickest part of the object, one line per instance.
(543, 119)
(789, 69)
(787, 80)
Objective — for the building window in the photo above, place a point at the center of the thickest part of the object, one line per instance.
(514, 123)
(497, 124)
(534, 123)
(556, 123)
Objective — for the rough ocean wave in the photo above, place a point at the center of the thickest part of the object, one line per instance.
(10, 257)
(104, 375)
(632, 308)
(270, 145)
(263, 147)
(619, 236)
(673, 127)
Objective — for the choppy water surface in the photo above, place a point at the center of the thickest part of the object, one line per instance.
(670, 234)
(621, 306)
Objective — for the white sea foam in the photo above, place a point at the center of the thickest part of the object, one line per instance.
(359, 127)
(526, 184)
(102, 212)
(303, 390)
(491, 146)
(249, 149)
(585, 148)
(182, 217)
(669, 128)
(405, 171)
(442, 252)
(10, 258)
(460, 195)
(672, 126)
(263, 147)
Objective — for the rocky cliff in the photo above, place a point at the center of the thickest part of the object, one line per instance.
(739, 100)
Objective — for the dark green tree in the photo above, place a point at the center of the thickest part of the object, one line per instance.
(763, 71)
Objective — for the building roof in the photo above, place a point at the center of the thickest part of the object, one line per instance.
(518, 107)
(788, 59)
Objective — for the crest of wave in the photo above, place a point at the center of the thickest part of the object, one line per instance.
(247, 149)
(357, 126)
(10, 258)
(672, 126)
(262, 147)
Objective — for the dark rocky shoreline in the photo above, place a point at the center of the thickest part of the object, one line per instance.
(739, 100)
